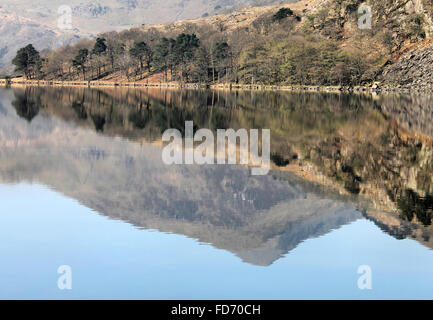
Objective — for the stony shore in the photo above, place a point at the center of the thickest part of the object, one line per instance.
(174, 85)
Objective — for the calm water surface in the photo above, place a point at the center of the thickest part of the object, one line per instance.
(82, 184)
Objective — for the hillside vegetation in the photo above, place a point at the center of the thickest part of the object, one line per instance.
(37, 22)
(307, 43)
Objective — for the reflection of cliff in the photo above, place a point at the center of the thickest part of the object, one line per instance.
(257, 218)
(414, 112)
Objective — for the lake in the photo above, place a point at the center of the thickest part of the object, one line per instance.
(83, 185)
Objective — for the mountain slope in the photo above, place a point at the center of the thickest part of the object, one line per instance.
(401, 28)
(16, 32)
(24, 21)
(317, 28)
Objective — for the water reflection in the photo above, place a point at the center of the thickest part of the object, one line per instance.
(27, 105)
(102, 147)
(377, 146)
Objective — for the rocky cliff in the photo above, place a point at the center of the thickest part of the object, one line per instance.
(400, 29)
(413, 69)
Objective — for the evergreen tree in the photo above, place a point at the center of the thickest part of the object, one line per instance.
(185, 48)
(164, 57)
(28, 61)
(282, 14)
(80, 60)
(99, 49)
(143, 53)
(200, 69)
(114, 51)
(220, 58)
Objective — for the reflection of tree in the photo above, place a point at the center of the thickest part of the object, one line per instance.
(346, 137)
(99, 122)
(140, 118)
(279, 160)
(80, 110)
(26, 104)
(412, 205)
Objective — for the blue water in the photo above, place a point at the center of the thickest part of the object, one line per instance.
(130, 227)
(41, 230)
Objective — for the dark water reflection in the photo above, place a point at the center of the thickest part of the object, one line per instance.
(102, 147)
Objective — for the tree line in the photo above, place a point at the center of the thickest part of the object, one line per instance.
(182, 58)
(273, 50)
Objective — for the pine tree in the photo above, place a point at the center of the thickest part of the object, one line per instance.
(99, 49)
(80, 61)
(185, 47)
(220, 58)
(27, 61)
(143, 53)
(164, 57)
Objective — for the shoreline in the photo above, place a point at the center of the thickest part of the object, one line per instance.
(223, 86)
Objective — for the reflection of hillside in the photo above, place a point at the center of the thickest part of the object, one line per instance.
(257, 218)
(401, 229)
(413, 111)
(352, 139)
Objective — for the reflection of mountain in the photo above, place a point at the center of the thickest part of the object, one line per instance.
(401, 229)
(257, 218)
(353, 140)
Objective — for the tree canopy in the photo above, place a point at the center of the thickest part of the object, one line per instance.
(27, 61)
(272, 50)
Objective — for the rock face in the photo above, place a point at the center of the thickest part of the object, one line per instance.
(404, 18)
(397, 27)
(413, 69)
